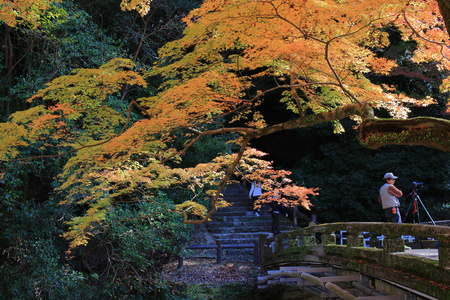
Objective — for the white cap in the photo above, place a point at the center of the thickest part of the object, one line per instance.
(389, 176)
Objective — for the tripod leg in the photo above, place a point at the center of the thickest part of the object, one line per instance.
(425, 210)
(417, 210)
(409, 208)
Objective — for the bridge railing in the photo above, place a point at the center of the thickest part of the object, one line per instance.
(317, 243)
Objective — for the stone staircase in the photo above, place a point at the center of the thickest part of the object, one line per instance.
(237, 224)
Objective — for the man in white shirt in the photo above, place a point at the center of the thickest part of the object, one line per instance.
(388, 198)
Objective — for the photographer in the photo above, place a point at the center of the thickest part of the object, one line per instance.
(388, 198)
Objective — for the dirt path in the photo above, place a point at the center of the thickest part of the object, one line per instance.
(202, 267)
(206, 270)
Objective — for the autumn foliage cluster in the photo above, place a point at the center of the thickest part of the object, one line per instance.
(121, 130)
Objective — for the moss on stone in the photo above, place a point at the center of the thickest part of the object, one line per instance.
(425, 275)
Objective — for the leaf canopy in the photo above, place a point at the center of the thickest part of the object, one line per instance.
(315, 55)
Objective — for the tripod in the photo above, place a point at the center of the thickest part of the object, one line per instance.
(414, 200)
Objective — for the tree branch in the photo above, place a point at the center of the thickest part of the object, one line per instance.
(222, 183)
(421, 131)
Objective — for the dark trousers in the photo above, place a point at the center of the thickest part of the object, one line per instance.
(391, 216)
(275, 223)
(254, 198)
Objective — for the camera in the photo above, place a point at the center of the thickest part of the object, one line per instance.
(417, 184)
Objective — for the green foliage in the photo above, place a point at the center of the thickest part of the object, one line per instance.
(123, 260)
(141, 36)
(31, 267)
(208, 148)
(131, 245)
(79, 41)
(66, 39)
(39, 275)
(10, 189)
(141, 229)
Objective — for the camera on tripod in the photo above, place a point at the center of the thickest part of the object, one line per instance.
(417, 184)
(415, 201)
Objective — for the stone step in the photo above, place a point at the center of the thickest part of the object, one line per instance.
(247, 205)
(237, 198)
(237, 224)
(244, 229)
(236, 229)
(251, 221)
(233, 188)
(228, 211)
(241, 235)
(235, 208)
(229, 241)
(245, 254)
(247, 232)
(235, 193)
(232, 214)
(241, 214)
(250, 217)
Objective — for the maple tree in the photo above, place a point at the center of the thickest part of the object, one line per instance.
(316, 53)
(23, 11)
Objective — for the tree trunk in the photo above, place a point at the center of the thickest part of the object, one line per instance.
(9, 54)
(444, 8)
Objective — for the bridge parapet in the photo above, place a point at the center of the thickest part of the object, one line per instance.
(317, 243)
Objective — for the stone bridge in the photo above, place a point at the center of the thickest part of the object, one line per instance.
(383, 259)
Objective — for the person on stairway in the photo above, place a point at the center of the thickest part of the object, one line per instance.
(275, 209)
(255, 192)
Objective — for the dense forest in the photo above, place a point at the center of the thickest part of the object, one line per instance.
(122, 121)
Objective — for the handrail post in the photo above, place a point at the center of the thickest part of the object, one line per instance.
(444, 256)
(256, 252)
(219, 252)
(355, 239)
(328, 238)
(444, 250)
(278, 244)
(262, 247)
(309, 240)
(293, 242)
(180, 262)
(393, 244)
